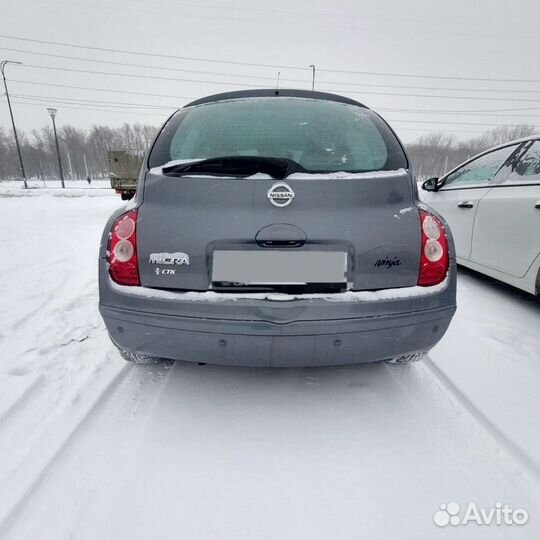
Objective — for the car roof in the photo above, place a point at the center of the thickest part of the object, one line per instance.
(268, 92)
(515, 141)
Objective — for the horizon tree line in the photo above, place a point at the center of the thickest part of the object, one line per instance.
(84, 151)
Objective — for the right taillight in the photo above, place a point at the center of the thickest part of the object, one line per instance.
(122, 250)
(434, 257)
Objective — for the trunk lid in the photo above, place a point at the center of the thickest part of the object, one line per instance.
(186, 225)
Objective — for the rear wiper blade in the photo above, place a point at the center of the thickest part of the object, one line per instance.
(240, 166)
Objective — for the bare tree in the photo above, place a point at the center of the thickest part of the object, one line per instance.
(431, 155)
(436, 153)
(502, 134)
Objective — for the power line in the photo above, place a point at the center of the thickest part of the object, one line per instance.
(303, 22)
(175, 96)
(394, 120)
(162, 116)
(111, 108)
(400, 94)
(323, 13)
(138, 76)
(460, 111)
(145, 66)
(274, 66)
(154, 55)
(432, 96)
(56, 85)
(262, 77)
(422, 130)
(501, 90)
(122, 104)
(117, 104)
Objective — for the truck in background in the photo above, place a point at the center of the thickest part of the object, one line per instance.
(124, 168)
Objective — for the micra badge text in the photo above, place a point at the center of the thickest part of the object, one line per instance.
(169, 258)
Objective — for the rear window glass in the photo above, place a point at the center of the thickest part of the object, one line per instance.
(322, 136)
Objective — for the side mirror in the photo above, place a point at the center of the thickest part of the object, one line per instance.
(431, 184)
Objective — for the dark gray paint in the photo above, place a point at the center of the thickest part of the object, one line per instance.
(362, 216)
(197, 215)
(298, 332)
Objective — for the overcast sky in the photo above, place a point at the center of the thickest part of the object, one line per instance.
(424, 49)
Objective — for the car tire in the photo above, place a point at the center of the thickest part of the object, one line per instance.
(137, 358)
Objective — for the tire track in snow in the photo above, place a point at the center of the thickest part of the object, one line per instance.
(117, 403)
(44, 457)
(52, 334)
(501, 438)
(53, 297)
(126, 452)
(28, 391)
(458, 421)
(36, 311)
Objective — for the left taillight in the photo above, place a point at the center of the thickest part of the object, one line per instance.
(122, 250)
(434, 257)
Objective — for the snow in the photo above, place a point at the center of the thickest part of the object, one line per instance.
(74, 188)
(259, 176)
(348, 175)
(339, 175)
(497, 329)
(159, 170)
(347, 296)
(91, 447)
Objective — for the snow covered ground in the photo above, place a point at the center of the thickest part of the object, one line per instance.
(93, 448)
(41, 187)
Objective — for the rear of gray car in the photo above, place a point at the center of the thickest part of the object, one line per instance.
(276, 229)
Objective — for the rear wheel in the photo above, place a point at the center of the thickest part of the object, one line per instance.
(137, 358)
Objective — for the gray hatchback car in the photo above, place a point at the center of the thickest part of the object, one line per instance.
(276, 228)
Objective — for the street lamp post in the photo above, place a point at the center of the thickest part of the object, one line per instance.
(2, 69)
(52, 112)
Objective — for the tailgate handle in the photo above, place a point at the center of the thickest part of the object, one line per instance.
(465, 204)
(537, 205)
(281, 235)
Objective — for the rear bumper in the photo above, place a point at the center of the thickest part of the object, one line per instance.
(308, 331)
(256, 343)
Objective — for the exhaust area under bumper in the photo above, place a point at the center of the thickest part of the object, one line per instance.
(258, 343)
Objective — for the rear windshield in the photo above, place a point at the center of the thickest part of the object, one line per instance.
(322, 136)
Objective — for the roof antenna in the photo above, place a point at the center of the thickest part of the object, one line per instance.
(312, 66)
(277, 82)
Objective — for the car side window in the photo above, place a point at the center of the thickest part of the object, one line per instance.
(480, 170)
(526, 170)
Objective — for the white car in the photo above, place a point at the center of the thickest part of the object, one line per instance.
(492, 204)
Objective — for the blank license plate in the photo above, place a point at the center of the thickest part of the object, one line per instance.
(279, 267)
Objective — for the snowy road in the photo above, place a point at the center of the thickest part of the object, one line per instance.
(93, 448)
